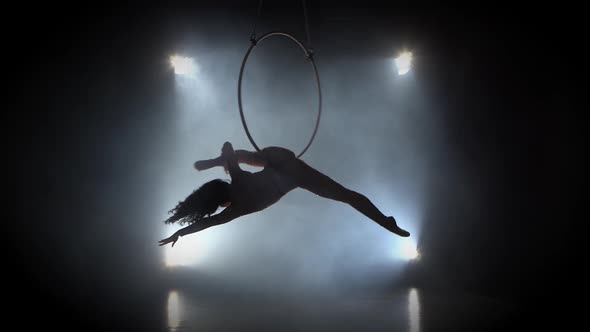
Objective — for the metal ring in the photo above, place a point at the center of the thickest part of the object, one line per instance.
(309, 56)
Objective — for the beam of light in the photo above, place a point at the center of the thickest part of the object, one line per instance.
(414, 310)
(409, 250)
(403, 63)
(184, 66)
(174, 311)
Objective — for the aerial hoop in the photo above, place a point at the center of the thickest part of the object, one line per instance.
(308, 55)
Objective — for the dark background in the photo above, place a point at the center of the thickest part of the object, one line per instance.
(83, 124)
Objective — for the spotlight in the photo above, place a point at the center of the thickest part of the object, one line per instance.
(184, 66)
(403, 63)
(409, 250)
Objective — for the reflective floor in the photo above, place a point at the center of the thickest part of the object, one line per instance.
(410, 310)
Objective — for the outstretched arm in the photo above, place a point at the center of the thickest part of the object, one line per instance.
(223, 217)
(242, 157)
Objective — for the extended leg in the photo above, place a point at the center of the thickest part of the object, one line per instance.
(322, 185)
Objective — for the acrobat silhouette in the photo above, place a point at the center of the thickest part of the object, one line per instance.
(252, 192)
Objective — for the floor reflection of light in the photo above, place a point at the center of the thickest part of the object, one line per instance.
(174, 311)
(414, 310)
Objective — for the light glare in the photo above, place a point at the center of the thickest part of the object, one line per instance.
(184, 253)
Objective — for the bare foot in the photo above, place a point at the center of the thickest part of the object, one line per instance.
(393, 227)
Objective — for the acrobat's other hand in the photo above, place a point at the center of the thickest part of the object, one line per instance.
(172, 239)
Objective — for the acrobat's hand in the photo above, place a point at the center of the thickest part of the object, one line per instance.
(172, 239)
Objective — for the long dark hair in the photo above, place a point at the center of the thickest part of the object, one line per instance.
(201, 203)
